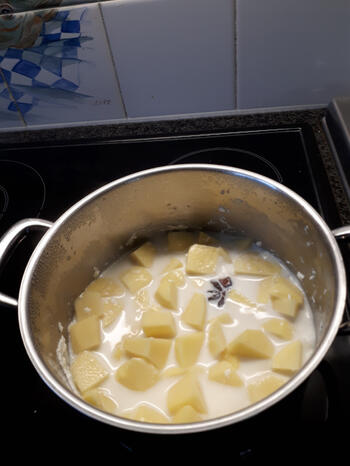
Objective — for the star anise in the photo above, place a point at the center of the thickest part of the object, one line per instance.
(219, 292)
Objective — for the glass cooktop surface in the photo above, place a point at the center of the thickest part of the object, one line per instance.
(44, 180)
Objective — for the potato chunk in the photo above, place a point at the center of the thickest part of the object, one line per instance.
(97, 397)
(195, 311)
(279, 327)
(186, 392)
(173, 265)
(158, 323)
(137, 374)
(155, 350)
(252, 344)
(186, 414)
(263, 386)
(180, 241)
(254, 264)
(202, 259)
(289, 358)
(146, 413)
(216, 338)
(87, 304)
(285, 297)
(187, 348)
(144, 255)
(136, 278)
(87, 371)
(105, 286)
(85, 334)
(166, 294)
(240, 299)
(224, 372)
(204, 238)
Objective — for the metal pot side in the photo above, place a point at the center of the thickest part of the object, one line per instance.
(99, 228)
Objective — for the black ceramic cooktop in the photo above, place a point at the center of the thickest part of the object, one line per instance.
(44, 180)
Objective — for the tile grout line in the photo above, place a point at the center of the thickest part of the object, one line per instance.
(21, 117)
(235, 52)
(113, 61)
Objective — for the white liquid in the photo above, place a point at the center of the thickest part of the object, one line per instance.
(220, 399)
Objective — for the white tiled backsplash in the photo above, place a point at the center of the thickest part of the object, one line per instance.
(70, 62)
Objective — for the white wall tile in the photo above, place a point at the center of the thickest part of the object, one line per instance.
(68, 75)
(172, 56)
(292, 52)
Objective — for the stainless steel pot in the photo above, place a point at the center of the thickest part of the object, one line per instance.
(96, 230)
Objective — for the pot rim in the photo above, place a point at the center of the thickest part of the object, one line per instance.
(245, 413)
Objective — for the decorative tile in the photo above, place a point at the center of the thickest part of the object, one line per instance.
(10, 116)
(292, 52)
(66, 74)
(18, 6)
(172, 56)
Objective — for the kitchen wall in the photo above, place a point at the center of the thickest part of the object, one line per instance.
(65, 62)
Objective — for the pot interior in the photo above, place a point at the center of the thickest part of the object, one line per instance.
(97, 231)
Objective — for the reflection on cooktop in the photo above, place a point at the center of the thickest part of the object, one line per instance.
(233, 157)
(22, 192)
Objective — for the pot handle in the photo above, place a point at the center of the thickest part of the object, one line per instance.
(10, 238)
(342, 233)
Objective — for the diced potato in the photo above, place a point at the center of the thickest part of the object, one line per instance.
(176, 276)
(97, 397)
(223, 372)
(263, 386)
(166, 294)
(252, 344)
(159, 351)
(195, 311)
(240, 299)
(287, 306)
(264, 290)
(144, 255)
(289, 358)
(180, 241)
(112, 311)
(175, 371)
(87, 371)
(118, 351)
(155, 350)
(187, 391)
(286, 297)
(146, 413)
(281, 287)
(187, 348)
(136, 278)
(85, 334)
(139, 347)
(225, 255)
(158, 323)
(202, 259)
(142, 298)
(204, 238)
(87, 304)
(279, 327)
(255, 264)
(173, 265)
(216, 339)
(137, 374)
(105, 286)
(231, 358)
(186, 414)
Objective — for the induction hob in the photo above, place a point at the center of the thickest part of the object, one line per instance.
(43, 180)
